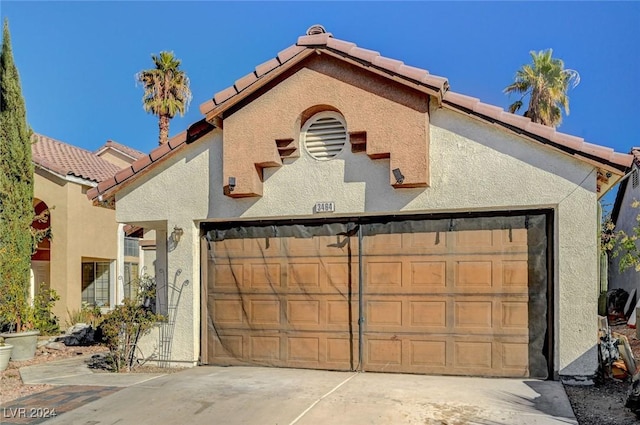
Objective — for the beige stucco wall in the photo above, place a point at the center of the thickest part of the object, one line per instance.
(79, 230)
(474, 166)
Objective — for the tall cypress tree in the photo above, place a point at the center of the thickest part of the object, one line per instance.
(16, 191)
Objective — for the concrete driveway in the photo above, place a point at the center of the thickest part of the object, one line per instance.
(271, 396)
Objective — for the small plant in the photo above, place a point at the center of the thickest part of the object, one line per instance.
(40, 315)
(123, 327)
(1, 341)
(88, 313)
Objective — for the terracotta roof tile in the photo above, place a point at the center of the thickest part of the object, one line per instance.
(413, 72)
(340, 45)
(207, 106)
(289, 53)
(436, 81)
(225, 94)
(596, 150)
(141, 163)
(514, 120)
(363, 54)
(104, 185)
(245, 81)
(267, 66)
(130, 152)
(160, 151)
(462, 100)
(388, 64)
(568, 140)
(540, 130)
(487, 110)
(176, 140)
(313, 40)
(123, 174)
(66, 159)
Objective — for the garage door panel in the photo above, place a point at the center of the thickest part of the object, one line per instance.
(229, 311)
(265, 348)
(247, 248)
(472, 355)
(336, 246)
(427, 275)
(264, 313)
(428, 315)
(304, 312)
(229, 276)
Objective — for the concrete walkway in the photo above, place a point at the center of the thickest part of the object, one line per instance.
(74, 371)
(251, 395)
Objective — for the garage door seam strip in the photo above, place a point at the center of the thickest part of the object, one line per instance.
(321, 398)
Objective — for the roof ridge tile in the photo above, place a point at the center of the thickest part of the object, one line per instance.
(314, 40)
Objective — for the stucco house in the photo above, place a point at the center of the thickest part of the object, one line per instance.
(91, 258)
(624, 216)
(337, 209)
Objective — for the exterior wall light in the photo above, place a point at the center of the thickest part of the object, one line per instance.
(232, 183)
(176, 234)
(398, 175)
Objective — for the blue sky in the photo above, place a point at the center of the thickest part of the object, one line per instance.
(77, 60)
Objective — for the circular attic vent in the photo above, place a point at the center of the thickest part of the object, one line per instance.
(324, 135)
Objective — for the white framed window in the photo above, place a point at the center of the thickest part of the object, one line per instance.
(130, 280)
(324, 135)
(131, 247)
(96, 283)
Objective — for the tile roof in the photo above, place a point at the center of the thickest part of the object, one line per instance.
(65, 159)
(573, 145)
(194, 132)
(126, 150)
(319, 41)
(635, 151)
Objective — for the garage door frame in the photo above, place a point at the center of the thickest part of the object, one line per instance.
(549, 340)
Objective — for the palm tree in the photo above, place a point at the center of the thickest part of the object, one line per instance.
(166, 91)
(546, 82)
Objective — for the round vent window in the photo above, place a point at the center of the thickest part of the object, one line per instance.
(324, 135)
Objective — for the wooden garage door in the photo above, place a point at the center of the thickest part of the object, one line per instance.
(447, 302)
(284, 301)
(458, 297)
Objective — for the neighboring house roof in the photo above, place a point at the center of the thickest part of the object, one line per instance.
(67, 160)
(319, 42)
(124, 150)
(617, 204)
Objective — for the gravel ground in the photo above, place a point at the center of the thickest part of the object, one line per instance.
(603, 403)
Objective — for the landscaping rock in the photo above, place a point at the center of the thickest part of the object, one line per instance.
(55, 346)
(80, 334)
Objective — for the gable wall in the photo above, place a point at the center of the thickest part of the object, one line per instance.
(116, 158)
(397, 128)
